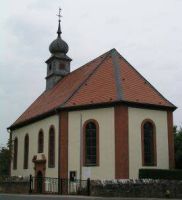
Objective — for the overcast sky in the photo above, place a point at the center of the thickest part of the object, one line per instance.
(148, 33)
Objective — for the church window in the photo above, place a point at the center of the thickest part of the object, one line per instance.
(26, 151)
(91, 148)
(148, 143)
(40, 142)
(15, 155)
(51, 158)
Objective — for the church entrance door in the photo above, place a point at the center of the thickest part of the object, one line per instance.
(40, 171)
(39, 182)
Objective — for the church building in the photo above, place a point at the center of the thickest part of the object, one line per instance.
(101, 121)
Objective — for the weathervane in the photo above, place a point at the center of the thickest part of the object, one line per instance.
(59, 26)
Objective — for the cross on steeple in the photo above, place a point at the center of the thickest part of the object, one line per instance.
(59, 15)
(59, 26)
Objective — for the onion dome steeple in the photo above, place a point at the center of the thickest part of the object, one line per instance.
(58, 65)
(59, 45)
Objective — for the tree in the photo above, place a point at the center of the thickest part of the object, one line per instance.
(178, 146)
(5, 159)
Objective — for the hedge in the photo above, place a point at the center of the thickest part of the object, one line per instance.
(164, 174)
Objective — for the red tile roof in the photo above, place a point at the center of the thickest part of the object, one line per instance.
(108, 78)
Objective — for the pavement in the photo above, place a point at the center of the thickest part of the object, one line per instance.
(61, 197)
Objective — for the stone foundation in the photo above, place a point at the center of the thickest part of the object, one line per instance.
(137, 188)
(14, 185)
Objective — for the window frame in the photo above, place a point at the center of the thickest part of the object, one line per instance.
(97, 143)
(51, 148)
(40, 145)
(154, 153)
(26, 151)
(15, 153)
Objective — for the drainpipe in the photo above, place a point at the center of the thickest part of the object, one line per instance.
(59, 127)
(81, 147)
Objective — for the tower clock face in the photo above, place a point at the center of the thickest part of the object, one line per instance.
(61, 66)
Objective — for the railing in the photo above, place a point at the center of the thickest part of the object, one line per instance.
(49, 185)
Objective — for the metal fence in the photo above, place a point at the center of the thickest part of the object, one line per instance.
(49, 185)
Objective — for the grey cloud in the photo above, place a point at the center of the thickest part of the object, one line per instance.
(146, 33)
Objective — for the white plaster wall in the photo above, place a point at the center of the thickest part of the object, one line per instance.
(136, 116)
(33, 130)
(105, 118)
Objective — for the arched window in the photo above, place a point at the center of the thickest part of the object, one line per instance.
(148, 143)
(51, 161)
(91, 143)
(40, 142)
(26, 151)
(15, 153)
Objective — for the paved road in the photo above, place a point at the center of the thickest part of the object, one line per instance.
(43, 197)
(56, 197)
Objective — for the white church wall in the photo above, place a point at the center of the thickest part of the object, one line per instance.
(105, 119)
(136, 116)
(33, 130)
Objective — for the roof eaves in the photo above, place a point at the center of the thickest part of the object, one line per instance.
(33, 119)
(91, 106)
(113, 103)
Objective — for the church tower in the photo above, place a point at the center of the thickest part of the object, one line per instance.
(58, 65)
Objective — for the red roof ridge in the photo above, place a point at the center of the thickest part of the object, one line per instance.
(93, 60)
(81, 67)
(57, 84)
(117, 74)
(121, 57)
(105, 55)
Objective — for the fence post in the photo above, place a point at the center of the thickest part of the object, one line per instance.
(30, 184)
(61, 181)
(88, 186)
(58, 185)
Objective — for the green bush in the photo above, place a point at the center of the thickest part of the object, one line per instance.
(160, 174)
